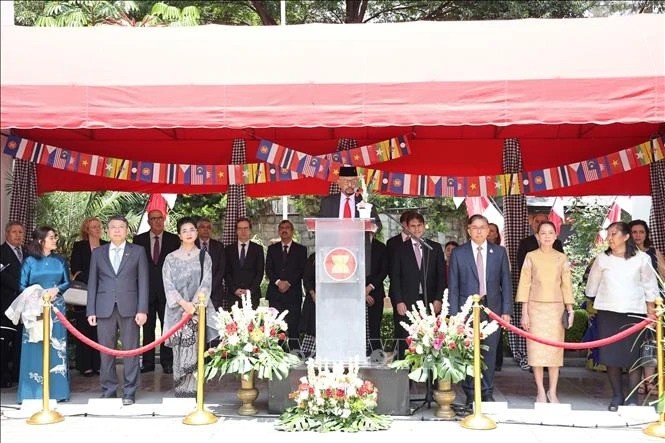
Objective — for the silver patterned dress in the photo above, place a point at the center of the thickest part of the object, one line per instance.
(182, 280)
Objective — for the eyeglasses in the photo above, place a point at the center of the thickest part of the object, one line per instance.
(156, 218)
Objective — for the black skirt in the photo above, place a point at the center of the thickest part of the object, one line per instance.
(623, 353)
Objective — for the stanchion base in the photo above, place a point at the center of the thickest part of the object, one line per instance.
(45, 417)
(655, 429)
(478, 421)
(202, 417)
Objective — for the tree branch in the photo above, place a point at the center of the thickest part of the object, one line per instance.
(262, 11)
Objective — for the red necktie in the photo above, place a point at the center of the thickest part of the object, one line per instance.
(347, 208)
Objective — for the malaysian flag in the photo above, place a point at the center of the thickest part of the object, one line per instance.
(61, 158)
(199, 176)
(590, 170)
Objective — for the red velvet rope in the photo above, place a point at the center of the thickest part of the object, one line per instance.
(558, 344)
(115, 352)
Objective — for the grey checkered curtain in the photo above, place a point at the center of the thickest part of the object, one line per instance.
(22, 207)
(516, 220)
(235, 204)
(657, 216)
(343, 144)
(235, 196)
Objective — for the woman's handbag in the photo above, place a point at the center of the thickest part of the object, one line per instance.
(648, 351)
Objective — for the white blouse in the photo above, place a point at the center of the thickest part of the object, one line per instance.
(621, 285)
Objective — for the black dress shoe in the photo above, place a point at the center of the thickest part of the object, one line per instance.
(111, 395)
(145, 369)
(127, 401)
(488, 398)
(168, 369)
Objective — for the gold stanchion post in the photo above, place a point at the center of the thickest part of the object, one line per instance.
(477, 420)
(200, 416)
(46, 416)
(657, 428)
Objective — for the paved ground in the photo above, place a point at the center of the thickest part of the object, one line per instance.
(583, 416)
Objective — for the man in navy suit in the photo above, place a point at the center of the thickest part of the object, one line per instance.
(416, 273)
(118, 301)
(244, 265)
(479, 267)
(157, 243)
(285, 265)
(11, 257)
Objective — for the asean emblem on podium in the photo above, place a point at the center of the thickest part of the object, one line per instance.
(340, 264)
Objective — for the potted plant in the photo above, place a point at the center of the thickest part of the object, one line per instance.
(441, 347)
(249, 345)
(333, 398)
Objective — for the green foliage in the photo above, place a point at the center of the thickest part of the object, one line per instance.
(586, 217)
(387, 330)
(83, 13)
(580, 323)
(65, 211)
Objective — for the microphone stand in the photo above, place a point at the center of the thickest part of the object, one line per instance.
(426, 249)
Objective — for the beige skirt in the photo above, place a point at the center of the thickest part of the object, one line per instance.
(545, 322)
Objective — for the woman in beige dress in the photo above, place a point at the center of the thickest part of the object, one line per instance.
(545, 289)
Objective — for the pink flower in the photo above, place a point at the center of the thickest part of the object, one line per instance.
(438, 342)
(231, 328)
(451, 345)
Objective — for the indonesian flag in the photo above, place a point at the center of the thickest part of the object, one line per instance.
(557, 215)
(157, 202)
(614, 215)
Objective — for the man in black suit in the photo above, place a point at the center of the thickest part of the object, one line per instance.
(244, 265)
(216, 251)
(157, 243)
(118, 302)
(375, 293)
(285, 265)
(526, 245)
(343, 205)
(416, 273)
(11, 257)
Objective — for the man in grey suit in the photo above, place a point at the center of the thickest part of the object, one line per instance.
(479, 267)
(118, 301)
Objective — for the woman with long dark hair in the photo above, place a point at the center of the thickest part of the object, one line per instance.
(49, 270)
(624, 289)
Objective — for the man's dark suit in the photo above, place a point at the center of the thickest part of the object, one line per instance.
(169, 243)
(330, 208)
(115, 299)
(377, 274)
(11, 337)
(87, 359)
(290, 270)
(406, 280)
(216, 252)
(464, 283)
(247, 276)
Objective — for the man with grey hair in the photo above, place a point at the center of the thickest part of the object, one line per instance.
(215, 249)
(11, 257)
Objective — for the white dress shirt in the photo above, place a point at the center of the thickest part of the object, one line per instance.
(621, 285)
(342, 203)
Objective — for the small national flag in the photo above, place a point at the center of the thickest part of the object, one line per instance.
(286, 174)
(135, 170)
(627, 158)
(311, 166)
(265, 151)
(222, 176)
(288, 158)
(591, 170)
(122, 173)
(37, 153)
(73, 164)
(171, 173)
(437, 186)
(184, 174)
(536, 182)
(50, 155)
(551, 178)
(12, 145)
(576, 175)
(146, 170)
(450, 189)
(199, 176)
(473, 186)
(658, 148)
(396, 185)
(643, 154)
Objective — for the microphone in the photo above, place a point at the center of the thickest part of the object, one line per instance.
(405, 229)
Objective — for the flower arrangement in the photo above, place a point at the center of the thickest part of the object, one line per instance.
(249, 341)
(440, 345)
(332, 398)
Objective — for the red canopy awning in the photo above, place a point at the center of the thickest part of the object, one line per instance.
(568, 89)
